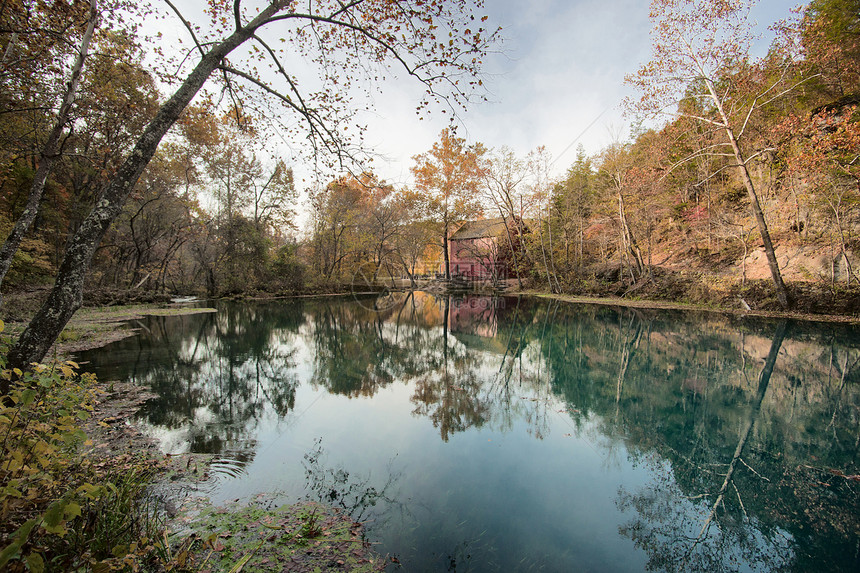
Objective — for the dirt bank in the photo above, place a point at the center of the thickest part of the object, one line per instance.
(659, 304)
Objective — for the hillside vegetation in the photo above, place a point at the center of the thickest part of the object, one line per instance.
(668, 214)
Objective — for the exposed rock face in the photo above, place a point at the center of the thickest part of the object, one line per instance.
(803, 263)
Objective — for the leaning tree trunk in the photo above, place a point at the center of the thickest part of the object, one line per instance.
(773, 264)
(49, 154)
(781, 291)
(67, 294)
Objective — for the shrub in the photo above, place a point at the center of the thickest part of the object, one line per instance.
(58, 509)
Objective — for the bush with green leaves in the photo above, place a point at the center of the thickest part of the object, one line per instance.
(60, 510)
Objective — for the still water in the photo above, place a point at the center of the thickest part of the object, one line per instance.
(516, 434)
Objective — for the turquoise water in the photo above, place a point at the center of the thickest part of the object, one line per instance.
(516, 434)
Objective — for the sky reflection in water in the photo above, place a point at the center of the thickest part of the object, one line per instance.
(514, 434)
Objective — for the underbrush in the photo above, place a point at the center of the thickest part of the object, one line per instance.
(60, 511)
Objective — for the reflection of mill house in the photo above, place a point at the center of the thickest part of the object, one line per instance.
(480, 250)
(474, 320)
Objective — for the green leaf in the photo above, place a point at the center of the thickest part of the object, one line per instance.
(54, 516)
(35, 563)
(20, 536)
(27, 396)
(72, 510)
(89, 490)
(11, 491)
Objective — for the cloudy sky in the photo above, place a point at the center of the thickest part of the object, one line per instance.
(559, 82)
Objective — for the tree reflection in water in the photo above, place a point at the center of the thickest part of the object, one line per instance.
(338, 487)
(747, 470)
(665, 518)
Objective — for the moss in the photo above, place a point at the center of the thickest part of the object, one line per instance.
(300, 537)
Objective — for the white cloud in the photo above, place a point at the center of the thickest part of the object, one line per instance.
(563, 67)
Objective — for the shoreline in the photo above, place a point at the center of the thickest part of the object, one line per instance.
(97, 326)
(193, 514)
(665, 305)
(243, 530)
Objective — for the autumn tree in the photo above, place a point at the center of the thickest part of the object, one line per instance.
(831, 47)
(147, 236)
(617, 170)
(820, 140)
(341, 220)
(538, 201)
(67, 147)
(441, 44)
(51, 147)
(697, 47)
(450, 177)
(415, 233)
(252, 195)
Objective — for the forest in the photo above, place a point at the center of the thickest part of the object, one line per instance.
(741, 177)
(751, 182)
(132, 169)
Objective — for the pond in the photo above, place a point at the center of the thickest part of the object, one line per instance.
(519, 434)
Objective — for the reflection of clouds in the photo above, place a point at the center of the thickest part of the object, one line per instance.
(666, 392)
(202, 427)
(169, 440)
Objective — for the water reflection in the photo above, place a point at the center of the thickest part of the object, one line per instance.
(748, 431)
(337, 486)
(665, 525)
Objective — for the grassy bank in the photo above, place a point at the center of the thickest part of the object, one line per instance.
(91, 326)
(691, 307)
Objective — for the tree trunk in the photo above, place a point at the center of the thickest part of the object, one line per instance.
(445, 251)
(781, 291)
(67, 294)
(49, 154)
(551, 249)
(543, 250)
(511, 245)
(581, 240)
(773, 264)
(630, 243)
